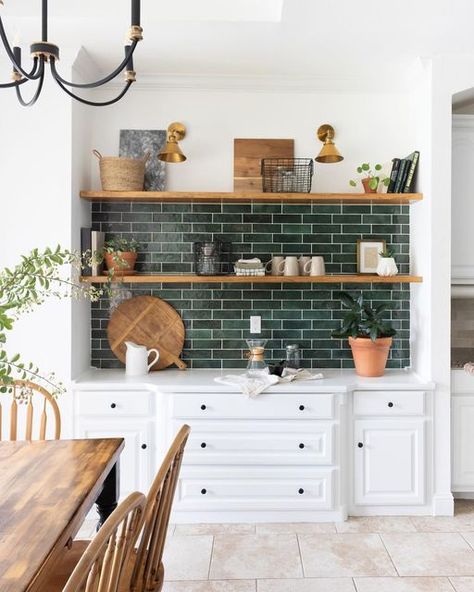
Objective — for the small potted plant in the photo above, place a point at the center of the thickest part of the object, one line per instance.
(371, 177)
(120, 255)
(370, 337)
(387, 265)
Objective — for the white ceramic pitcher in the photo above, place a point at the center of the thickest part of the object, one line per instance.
(136, 359)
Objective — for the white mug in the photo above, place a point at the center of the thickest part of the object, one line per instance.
(291, 266)
(275, 265)
(302, 262)
(315, 266)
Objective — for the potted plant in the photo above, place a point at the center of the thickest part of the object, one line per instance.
(120, 255)
(387, 265)
(370, 337)
(371, 177)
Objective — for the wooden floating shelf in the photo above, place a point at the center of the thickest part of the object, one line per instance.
(267, 279)
(245, 197)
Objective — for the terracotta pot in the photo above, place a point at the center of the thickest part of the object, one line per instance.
(365, 183)
(124, 265)
(370, 357)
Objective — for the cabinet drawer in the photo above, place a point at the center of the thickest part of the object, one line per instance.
(260, 442)
(264, 406)
(389, 403)
(252, 491)
(113, 404)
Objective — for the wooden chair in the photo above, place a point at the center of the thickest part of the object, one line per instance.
(101, 567)
(30, 404)
(148, 570)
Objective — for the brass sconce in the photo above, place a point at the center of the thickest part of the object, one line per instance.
(172, 152)
(329, 153)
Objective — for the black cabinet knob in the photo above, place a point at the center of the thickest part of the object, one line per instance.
(144, 446)
(301, 407)
(360, 445)
(113, 405)
(203, 491)
(203, 407)
(390, 404)
(203, 445)
(301, 491)
(301, 445)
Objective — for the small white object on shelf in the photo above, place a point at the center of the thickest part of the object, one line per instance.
(387, 267)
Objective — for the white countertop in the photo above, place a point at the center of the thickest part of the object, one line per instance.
(182, 381)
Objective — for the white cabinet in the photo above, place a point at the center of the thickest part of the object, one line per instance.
(125, 414)
(462, 247)
(463, 443)
(389, 463)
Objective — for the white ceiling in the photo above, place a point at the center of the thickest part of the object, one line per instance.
(300, 38)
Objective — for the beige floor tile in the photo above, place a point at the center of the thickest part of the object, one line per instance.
(376, 524)
(463, 584)
(344, 555)
(217, 586)
(307, 585)
(296, 528)
(403, 585)
(187, 529)
(255, 556)
(469, 537)
(187, 557)
(463, 519)
(430, 554)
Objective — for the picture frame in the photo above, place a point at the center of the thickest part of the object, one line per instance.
(368, 250)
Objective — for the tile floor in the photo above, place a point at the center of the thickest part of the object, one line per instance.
(380, 554)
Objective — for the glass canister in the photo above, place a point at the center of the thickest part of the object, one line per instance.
(256, 364)
(293, 356)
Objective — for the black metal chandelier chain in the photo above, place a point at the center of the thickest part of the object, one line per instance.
(44, 51)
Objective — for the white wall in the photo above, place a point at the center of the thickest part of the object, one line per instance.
(371, 127)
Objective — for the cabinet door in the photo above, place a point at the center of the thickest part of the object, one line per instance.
(136, 467)
(463, 443)
(389, 464)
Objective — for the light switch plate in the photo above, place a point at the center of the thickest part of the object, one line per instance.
(256, 324)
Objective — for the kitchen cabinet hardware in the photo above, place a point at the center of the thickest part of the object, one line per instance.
(390, 404)
(301, 491)
(113, 405)
(203, 445)
(203, 491)
(360, 445)
(301, 407)
(203, 407)
(144, 446)
(301, 445)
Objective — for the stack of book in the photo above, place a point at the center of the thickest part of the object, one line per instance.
(402, 177)
(92, 243)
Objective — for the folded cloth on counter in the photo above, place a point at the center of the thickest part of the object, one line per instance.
(253, 386)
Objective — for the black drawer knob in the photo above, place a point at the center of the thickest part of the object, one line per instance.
(390, 404)
(203, 491)
(203, 407)
(113, 405)
(203, 445)
(301, 445)
(360, 445)
(301, 491)
(144, 446)
(301, 408)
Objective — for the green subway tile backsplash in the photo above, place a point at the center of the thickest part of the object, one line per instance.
(216, 316)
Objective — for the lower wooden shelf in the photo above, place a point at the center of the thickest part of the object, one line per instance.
(190, 278)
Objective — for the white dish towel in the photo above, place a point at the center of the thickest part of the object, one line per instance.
(251, 387)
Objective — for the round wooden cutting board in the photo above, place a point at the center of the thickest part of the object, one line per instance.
(148, 321)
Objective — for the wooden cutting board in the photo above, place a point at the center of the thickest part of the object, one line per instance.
(148, 321)
(248, 155)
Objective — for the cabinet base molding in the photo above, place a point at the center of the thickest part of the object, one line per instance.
(443, 504)
(259, 517)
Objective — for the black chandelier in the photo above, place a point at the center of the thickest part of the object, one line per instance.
(44, 52)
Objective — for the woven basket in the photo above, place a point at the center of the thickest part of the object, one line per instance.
(121, 174)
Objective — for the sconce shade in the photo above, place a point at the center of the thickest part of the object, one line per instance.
(172, 152)
(329, 153)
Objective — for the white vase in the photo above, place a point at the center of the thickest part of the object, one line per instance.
(387, 266)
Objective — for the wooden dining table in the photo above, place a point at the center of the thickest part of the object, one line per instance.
(47, 489)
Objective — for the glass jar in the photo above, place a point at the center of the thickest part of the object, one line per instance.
(293, 358)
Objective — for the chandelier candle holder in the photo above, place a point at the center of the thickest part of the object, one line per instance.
(43, 52)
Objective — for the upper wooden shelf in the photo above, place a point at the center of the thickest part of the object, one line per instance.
(266, 279)
(259, 197)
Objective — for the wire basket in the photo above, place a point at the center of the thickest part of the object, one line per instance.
(287, 175)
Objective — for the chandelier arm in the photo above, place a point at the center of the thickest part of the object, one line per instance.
(34, 74)
(23, 79)
(92, 103)
(38, 89)
(101, 82)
